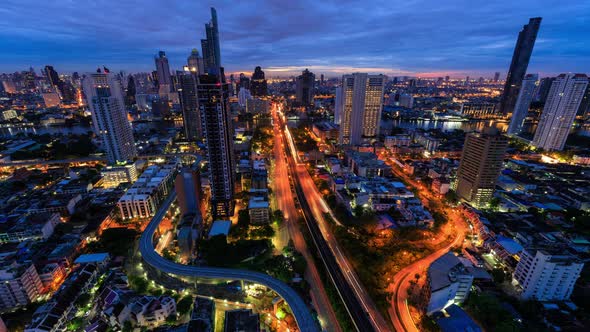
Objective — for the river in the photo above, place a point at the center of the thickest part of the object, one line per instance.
(385, 124)
(6, 132)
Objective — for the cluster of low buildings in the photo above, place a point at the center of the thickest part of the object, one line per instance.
(360, 179)
(545, 186)
(144, 197)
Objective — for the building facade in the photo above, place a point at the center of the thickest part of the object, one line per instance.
(480, 166)
(218, 132)
(449, 283)
(195, 63)
(520, 62)
(144, 197)
(304, 89)
(189, 103)
(362, 100)
(19, 286)
(258, 86)
(188, 190)
(547, 275)
(479, 110)
(560, 109)
(105, 101)
(210, 46)
(163, 70)
(521, 109)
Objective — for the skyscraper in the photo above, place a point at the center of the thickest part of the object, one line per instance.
(480, 166)
(65, 89)
(131, 91)
(362, 100)
(497, 76)
(338, 105)
(258, 86)
(218, 131)
(189, 103)
(244, 82)
(210, 45)
(519, 65)
(52, 76)
(304, 88)
(105, 101)
(195, 63)
(525, 96)
(188, 190)
(543, 89)
(585, 104)
(560, 109)
(163, 70)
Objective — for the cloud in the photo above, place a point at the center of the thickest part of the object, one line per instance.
(414, 36)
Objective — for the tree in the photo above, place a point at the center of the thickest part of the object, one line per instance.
(278, 216)
(358, 211)
(140, 285)
(184, 305)
(495, 203)
(451, 197)
(498, 275)
(127, 326)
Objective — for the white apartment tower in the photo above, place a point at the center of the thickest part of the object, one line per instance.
(109, 117)
(563, 100)
(521, 109)
(547, 275)
(362, 103)
(338, 105)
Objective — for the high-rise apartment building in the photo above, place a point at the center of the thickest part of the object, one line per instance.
(52, 76)
(105, 101)
(188, 190)
(521, 109)
(163, 70)
(519, 65)
(584, 109)
(557, 118)
(189, 103)
(218, 131)
(130, 92)
(543, 89)
(362, 100)
(258, 86)
(19, 286)
(304, 88)
(65, 89)
(547, 274)
(480, 166)
(210, 46)
(496, 76)
(338, 105)
(195, 63)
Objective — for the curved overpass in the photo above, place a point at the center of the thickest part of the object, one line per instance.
(303, 316)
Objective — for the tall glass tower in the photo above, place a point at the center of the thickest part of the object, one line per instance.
(520, 62)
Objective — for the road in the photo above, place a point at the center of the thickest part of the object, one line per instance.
(301, 312)
(357, 301)
(286, 203)
(401, 317)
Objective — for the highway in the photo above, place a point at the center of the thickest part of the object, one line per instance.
(281, 184)
(305, 320)
(358, 303)
(401, 317)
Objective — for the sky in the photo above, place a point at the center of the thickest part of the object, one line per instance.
(393, 37)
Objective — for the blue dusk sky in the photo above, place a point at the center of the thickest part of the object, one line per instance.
(409, 37)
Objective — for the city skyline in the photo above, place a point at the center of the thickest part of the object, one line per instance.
(284, 39)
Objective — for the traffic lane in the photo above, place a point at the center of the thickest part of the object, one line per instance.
(301, 313)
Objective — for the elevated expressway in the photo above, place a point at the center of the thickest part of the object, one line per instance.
(302, 314)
